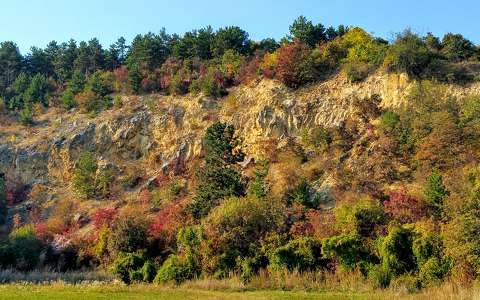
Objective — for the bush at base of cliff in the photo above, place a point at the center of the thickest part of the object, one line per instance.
(177, 269)
(302, 254)
(126, 266)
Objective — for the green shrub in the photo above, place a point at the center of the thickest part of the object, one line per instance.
(301, 254)
(177, 269)
(217, 179)
(239, 222)
(88, 180)
(426, 245)
(217, 182)
(38, 90)
(361, 217)
(171, 270)
(127, 266)
(350, 251)
(210, 87)
(433, 271)
(194, 87)
(354, 248)
(362, 47)
(189, 239)
(26, 116)
(456, 48)
(84, 175)
(25, 247)
(409, 54)
(100, 84)
(248, 268)
(68, 99)
(103, 182)
(395, 250)
(389, 121)
(148, 271)
(396, 255)
(328, 56)
(134, 78)
(303, 194)
(77, 82)
(221, 143)
(318, 138)
(230, 64)
(380, 276)
(94, 97)
(258, 187)
(470, 114)
(460, 233)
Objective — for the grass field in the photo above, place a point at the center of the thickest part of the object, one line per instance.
(150, 292)
(68, 292)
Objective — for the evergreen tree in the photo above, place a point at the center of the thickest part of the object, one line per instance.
(10, 64)
(435, 193)
(134, 78)
(218, 179)
(231, 38)
(304, 31)
(84, 175)
(38, 90)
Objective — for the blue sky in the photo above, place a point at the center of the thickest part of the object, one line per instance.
(36, 22)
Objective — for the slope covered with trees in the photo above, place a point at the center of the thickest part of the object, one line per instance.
(404, 179)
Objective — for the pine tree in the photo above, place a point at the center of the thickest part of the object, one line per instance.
(435, 193)
(218, 179)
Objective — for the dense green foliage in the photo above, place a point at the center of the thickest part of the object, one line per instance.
(90, 181)
(218, 178)
(301, 254)
(84, 176)
(22, 249)
(435, 193)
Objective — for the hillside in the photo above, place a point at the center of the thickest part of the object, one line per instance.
(329, 158)
(155, 134)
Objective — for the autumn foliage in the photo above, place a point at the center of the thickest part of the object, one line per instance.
(294, 65)
(103, 216)
(403, 207)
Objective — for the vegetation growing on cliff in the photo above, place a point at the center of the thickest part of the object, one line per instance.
(405, 178)
(83, 74)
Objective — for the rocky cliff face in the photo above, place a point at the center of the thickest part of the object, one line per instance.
(162, 132)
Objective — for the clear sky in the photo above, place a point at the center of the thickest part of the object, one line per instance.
(36, 22)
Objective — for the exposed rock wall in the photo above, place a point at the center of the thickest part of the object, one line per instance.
(154, 132)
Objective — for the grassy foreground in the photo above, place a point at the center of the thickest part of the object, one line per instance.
(88, 292)
(148, 292)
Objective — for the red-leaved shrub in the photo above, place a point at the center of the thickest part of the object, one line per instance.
(295, 65)
(46, 231)
(168, 221)
(104, 216)
(403, 207)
